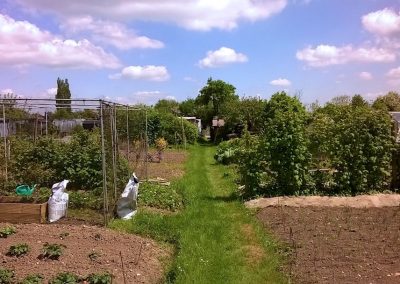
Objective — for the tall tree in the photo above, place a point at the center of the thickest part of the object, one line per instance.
(215, 94)
(63, 96)
(389, 102)
(167, 106)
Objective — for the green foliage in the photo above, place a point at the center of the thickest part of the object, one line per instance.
(65, 278)
(99, 278)
(63, 104)
(7, 231)
(360, 148)
(167, 106)
(388, 102)
(188, 107)
(6, 276)
(227, 151)
(48, 160)
(52, 251)
(285, 144)
(33, 279)
(18, 250)
(160, 196)
(171, 129)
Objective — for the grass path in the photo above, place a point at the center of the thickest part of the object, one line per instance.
(217, 239)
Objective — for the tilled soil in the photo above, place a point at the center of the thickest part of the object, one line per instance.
(338, 245)
(142, 258)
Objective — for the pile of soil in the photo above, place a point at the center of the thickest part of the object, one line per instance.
(142, 258)
(338, 244)
(360, 201)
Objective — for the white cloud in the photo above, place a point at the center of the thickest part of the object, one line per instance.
(190, 14)
(385, 22)
(394, 73)
(326, 55)
(108, 32)
(148, 72)
(22, 43)
(51, 91)
(280, 82)
(6, 91)
(365, 76)
(221, 57)
(172, 98)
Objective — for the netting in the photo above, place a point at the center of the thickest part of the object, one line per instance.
(93, 143)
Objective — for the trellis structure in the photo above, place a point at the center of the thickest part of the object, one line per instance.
(113, 119)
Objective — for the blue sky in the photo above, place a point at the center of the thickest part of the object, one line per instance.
(143, 51)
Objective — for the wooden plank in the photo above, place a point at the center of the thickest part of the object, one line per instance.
(23, 212)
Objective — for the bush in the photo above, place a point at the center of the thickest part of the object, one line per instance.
(160, 196)
(227, 151)
(18, 250)
(171, 129)
(284, 142)
(6, 276)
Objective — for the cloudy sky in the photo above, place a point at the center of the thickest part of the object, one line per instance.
(145, 50)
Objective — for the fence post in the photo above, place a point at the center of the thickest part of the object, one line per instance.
(104, 167)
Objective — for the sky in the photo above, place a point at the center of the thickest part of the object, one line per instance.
(140, 51)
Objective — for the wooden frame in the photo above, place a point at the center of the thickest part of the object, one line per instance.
(15, 209)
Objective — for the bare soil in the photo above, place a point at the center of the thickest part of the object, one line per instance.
(337, 244)
(360, 201)
(144, 260)
(171, 167)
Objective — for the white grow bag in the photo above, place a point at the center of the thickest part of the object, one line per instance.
(127, 203)
(58, 201)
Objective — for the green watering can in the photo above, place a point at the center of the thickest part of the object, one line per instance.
(25, 190)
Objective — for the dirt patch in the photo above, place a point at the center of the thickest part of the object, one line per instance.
(360, 201)
(171, 167)
(143, 258)
(338, 245)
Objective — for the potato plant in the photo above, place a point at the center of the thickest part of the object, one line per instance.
(6, 276)
(7, 231)
(33, 279)
(52, 251)
(18, 250)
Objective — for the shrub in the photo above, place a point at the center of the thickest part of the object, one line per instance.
(65, 278)
(160, 196)
(18, 250)
(227, 151)
(52, 251)
(284, 142)
(33, 279)
(7, 231)
(6, 276)
(99, 278)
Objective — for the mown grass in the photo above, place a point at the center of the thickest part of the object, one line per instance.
(217, 239)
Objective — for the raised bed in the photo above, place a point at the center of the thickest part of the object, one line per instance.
(14, 209)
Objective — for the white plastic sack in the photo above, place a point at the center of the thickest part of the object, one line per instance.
(127, 203)
(58, 201)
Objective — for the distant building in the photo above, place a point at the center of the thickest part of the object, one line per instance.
(195, 121)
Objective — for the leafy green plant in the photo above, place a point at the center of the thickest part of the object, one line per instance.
(18, 250)
(65, 278)
(94, 255)
(160, 196)
(227, 151)
(99, 278)
(6, 276)
(7, 231)
(33, 279)
(52, 251)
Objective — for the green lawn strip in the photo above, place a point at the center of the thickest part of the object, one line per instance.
(217, 239)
